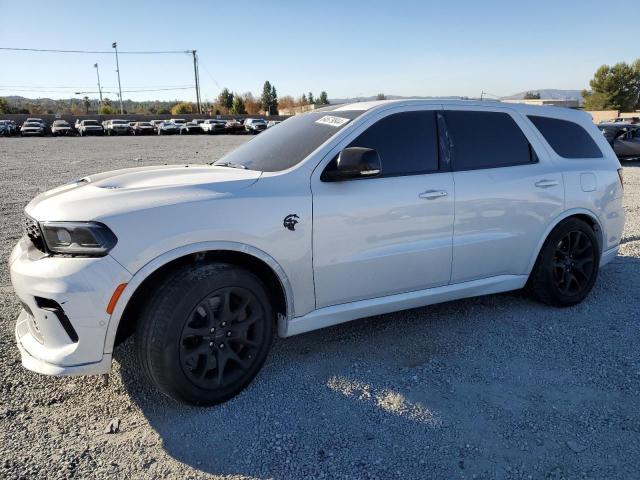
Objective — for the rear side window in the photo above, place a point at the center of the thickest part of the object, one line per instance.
(407, 143)
(568, 139)
(487, 140)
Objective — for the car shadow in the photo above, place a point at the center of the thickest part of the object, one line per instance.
(488, 386)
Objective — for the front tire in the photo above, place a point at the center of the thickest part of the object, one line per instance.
(567, 266)
(205, 333)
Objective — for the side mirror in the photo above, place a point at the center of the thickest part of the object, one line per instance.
(354, 162)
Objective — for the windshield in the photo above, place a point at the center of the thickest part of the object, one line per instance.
(118, 122)
(90, 122)
(60, 123)
(144, 124)
(281, 148)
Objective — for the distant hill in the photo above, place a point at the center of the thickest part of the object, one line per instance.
(550, 93)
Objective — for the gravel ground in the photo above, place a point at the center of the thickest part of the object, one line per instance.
(491, 387)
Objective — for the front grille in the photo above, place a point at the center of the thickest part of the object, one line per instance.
(32, 230)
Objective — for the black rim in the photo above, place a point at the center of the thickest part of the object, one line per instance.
(222, 337)
(573, 263)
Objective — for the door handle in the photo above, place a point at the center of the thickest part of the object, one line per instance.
(433, 194)
(546, 183)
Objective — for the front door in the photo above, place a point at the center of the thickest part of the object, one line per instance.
(391, 233)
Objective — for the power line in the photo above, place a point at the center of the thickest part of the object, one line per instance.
(124, 91)
(76, 87)
(146, 52)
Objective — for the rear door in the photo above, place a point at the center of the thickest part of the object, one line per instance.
(388, 234)
(507, 192)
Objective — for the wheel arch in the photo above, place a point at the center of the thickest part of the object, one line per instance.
(583, 214)
(122, 321)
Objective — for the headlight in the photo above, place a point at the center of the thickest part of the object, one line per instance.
(78, 238)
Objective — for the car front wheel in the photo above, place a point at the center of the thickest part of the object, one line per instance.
(567, 266)
(205, 333)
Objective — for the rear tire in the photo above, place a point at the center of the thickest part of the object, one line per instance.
(205, 333)
(567, 265)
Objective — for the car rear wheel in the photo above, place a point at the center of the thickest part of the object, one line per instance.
(567, 266)
(205, 333)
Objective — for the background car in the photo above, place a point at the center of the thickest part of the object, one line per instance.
(154, 124)
(178, 121)
(118, 127)
(234, 127)
(168, 128)
(273, 123)
(624, 138)
(14, 127)
(142, 128)
(255, 125)
(32, 128)
(90, 127)
(61, 127)
(213, 126)
(190, 128)
(6, 129)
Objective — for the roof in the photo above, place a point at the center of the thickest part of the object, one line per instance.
(525, 109)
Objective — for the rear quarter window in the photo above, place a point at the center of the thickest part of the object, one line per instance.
(568, 139)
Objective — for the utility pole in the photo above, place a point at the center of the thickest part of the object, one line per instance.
(99, 88)
(195, 73)
(481, 95)
(114, 45)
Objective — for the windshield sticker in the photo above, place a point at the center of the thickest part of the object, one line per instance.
(332, 121)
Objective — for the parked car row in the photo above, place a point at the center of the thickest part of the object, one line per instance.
(173, 126)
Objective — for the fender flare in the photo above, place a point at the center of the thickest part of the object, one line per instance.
(553, 224)
(141, 275)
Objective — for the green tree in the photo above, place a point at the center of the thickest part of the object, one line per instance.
(106, 109)
(323, 100)
(266, 100)
(381, 96)
(614, 87)
(225, 99)
(238, 106)
(532, 96)
(4, 106)
(181, 108)
(303, 99)
(86, 103)
(273, 108)
(310, 97)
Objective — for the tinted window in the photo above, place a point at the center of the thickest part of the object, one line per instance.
(568, 139)
(281, 148)
(406, 142)
(487, 140)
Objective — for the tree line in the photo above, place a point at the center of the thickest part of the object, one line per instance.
(226, 103)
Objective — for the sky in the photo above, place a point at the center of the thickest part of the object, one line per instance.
(346, 48)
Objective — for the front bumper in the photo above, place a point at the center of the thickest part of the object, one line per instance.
(82, 287)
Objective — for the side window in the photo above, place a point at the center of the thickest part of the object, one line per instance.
(407, 143)
(568, 139)
(487, 140)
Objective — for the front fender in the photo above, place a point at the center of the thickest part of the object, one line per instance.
(182, 251)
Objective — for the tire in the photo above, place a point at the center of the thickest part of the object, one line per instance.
(195, 321)
(567, 266)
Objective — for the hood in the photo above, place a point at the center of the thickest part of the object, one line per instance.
(117, 192)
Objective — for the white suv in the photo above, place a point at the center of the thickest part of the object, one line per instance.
(337, 214)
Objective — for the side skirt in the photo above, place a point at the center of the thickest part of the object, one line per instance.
(335, 314)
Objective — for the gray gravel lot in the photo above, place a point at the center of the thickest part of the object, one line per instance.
(491, 387)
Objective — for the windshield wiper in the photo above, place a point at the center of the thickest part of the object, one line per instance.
(230, 164)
